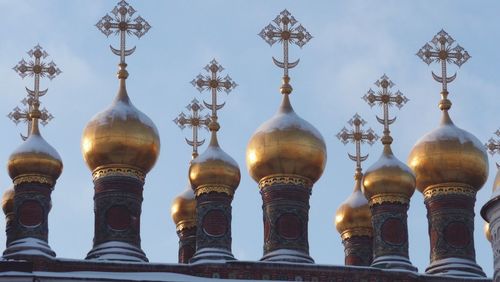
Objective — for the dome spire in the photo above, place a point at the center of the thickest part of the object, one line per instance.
(493, 145)
(353, 217)
(440, 50)
(195, 121)
(283, 29)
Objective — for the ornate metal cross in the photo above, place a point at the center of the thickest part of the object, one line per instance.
(442, 51)
(36, 68)
(385, 98)
(357, 136)
(282, 29)
(121, 22)
(214, 83)
(493, 145)
(194, 121)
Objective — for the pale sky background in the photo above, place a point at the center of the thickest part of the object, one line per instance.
(354, 43)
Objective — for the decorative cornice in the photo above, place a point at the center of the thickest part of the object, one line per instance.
(389, 198)
(356, 232)
(218, 188)
(36, 178)
(449, 189)
(184, 224)
(285, 179)
(106, 171)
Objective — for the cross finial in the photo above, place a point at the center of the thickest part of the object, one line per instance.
(441, 51)
(385, 98)
(215, 83)
(357, 136)
(493, 145)
(194, 121)
(283, 29)
(37, 68)
(120, 21)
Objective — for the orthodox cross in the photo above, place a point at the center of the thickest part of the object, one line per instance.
(493, 145)
(214, 83)
(283, 29)
(121, 22)
(36, 68)
(194, 121)
(385, 98)
(357, 136)
(441, 51)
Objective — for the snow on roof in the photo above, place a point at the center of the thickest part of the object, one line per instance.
(36, 143)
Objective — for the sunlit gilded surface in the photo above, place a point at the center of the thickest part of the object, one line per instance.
(184, 207)
(8, 200)
(449, 154)
(121, 135)
(496, 183)
(388, 176)
(354, 212)
(486, 230)
(286, 144)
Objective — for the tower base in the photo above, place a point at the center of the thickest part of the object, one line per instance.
(456, 267)
(287, 255)
(117, 251)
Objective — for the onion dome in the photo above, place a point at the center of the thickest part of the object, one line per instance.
(388, 176)
(449, 154)
(286, 144)
(35, 158)
(486, 230)
(183, 210)
(354, 214)
(8, 200)
(496, 183)
(121, 136)
(214, 167)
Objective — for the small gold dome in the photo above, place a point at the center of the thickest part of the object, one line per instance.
(8, 200)
(449, 154)
(121, 135)
(354, 212)
(486, 230)
(183, 210)
(215, 167)
(35, 157)
(496, 183)
(286, 144)
(388, 176)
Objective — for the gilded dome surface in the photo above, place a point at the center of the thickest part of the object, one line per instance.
(286, 144)
(184, 207)
(35, 156)
(487, 232)
(388, 176)
(214, 167)
(449, 154)
(121, 135)
(496, 183)
(354, 212)
(8, 200)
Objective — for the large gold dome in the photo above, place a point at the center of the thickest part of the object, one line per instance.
(8, 200)
(121, 135)
(286, 144)
(35, 157)
(214, 167)
(183, 210)
(449, 154)
(354, 213)
(388, 176)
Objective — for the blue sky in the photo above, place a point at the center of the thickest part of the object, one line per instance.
(354, 43)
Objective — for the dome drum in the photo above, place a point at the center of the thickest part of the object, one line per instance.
(183, 212)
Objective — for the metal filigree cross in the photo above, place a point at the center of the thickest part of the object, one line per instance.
(357, 136)
(194, 121)
(36, 68)
(283, 29)
(385, 98)
(441, 51)
(493, 145)
(214, 83)
(121, 22)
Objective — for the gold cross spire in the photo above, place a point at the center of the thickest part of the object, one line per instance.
(214, 83)
(385, 98)
(441, 51)
(36, 68)
(357, 136)
(121, 22)
(283, 29)
(194, 121)
(493, 145)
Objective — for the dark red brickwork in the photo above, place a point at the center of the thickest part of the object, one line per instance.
(187, 244)
(215, 223)
(30, 213)
(394, 231)
(358, 250)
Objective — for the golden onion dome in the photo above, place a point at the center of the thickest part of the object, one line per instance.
(35, 157)
(486, 230)
(388, 176)
(8, 200)
(214, 167)
(286, 144)
(354, 212)
(449, 154)
(183, 210)
(121, 136)
(496, 183)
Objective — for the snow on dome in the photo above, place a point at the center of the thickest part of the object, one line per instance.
(215, 153)
(449, 131)
(36, 144)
